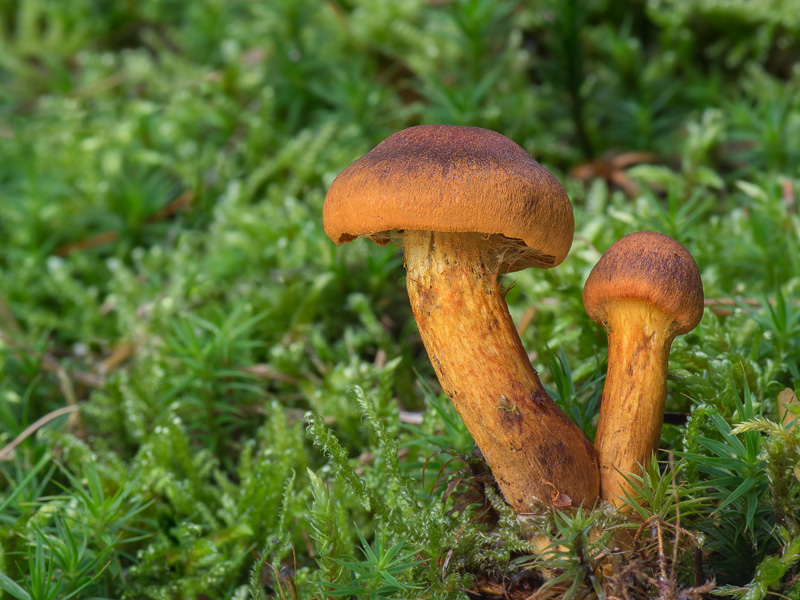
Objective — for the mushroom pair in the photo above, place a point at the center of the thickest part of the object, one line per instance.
(470, 204)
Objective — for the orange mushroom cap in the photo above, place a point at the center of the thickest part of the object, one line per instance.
(453, 179)
(651, 267)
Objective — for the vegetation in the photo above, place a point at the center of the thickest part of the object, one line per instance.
(201, 396)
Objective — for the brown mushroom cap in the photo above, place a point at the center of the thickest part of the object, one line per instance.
(651, 267)
(454, 179)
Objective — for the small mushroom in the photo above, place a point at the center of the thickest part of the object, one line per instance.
(645, 290)
(470, 204)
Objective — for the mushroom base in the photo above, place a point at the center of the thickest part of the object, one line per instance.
(632, 409)
(534, 451)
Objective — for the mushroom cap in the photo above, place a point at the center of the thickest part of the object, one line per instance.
(651, 267)
(453, 179)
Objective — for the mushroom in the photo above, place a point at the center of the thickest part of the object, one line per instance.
(471, 204)
(645, 290)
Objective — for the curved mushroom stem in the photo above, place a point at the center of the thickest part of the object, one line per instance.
(532, 448)
(632, 409)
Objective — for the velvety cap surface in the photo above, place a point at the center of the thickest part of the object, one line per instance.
(651, 267)
(454, 179)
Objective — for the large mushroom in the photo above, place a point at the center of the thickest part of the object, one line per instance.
(645, 290)
(471, 204)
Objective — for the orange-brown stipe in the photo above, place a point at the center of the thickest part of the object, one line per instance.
(645, 290)
(532, 448)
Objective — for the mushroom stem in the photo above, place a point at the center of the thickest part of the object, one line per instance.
(639, 340)
(532, 448)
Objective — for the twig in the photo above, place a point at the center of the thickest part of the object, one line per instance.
(264, 371)
(100, 86)
(112, 236)
(411, 418)
(661, 559)
(92, 242)
(677, 516)
(526, 319)
(31, 429)
(51, 365)
(724, 306)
